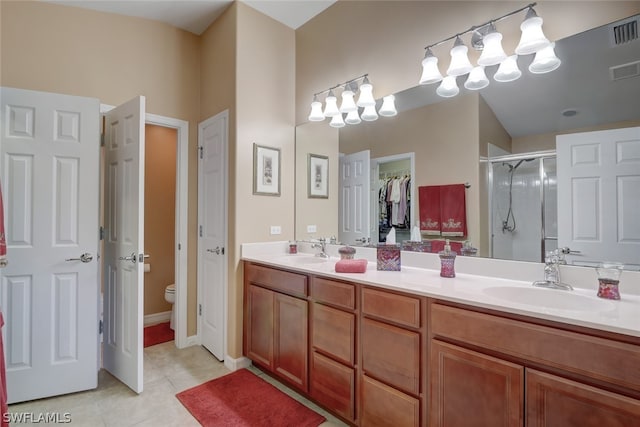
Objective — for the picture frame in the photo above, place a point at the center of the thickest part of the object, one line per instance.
(266, 170)
(318, 176)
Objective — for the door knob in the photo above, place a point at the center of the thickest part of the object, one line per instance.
(133, 258)
(142, 257)
(85, 257)
(218, 250)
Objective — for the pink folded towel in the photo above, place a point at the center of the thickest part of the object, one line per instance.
(351, 266)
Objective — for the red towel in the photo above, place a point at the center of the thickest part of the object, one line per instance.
(429, 202)
(453, 211)
(351, 266)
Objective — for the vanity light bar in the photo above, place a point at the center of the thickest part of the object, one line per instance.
(348, 105)
(485, 37)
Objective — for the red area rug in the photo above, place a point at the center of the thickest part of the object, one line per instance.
(156, 334)
(242, 399)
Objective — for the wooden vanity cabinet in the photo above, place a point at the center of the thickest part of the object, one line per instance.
(332, 374)
(392, 341)
(276, 322)
(486, 369)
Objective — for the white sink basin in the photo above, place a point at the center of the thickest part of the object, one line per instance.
(305, 260)
(548, 298)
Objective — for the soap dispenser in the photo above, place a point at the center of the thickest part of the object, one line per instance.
(447, 260)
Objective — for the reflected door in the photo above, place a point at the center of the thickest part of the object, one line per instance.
(353, 221)
(49, 292)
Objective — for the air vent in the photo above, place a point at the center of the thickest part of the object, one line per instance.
(625, 71)
(624, 31)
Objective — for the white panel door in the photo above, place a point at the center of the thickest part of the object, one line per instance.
(353, 222)
(49, 297)
(123, 262)
(212, 233)
(599, 195)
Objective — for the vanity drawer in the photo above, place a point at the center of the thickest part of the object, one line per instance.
(401, 309)
(333, 292)
(333, 385)
(599, 358)
(278, 280)
(333, 332)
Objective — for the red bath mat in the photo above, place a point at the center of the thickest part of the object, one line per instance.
(242, 399)
(156, 334)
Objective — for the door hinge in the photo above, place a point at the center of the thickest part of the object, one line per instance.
(179, 246)
(101, 233)
(100, 327)
(200, 231)
(102, 138)
(222, 250)
(201, 149)
(200, 309)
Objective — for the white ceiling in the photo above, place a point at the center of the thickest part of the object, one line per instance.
(196, 15)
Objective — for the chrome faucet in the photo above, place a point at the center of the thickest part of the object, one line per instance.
(552, 263)
(322, 245)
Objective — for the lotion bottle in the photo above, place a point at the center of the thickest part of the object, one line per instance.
(447, 260)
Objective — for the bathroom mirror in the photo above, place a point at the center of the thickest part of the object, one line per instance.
(503, 128)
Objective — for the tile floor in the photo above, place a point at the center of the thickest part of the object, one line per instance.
(167, 371)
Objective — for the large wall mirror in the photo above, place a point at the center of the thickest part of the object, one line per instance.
(501, 141)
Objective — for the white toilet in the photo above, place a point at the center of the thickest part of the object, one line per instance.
(170, 297)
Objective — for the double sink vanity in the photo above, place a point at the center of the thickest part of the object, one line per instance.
(410, 348)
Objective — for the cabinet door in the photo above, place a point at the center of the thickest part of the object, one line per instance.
(259, 328)
(471, 389)
(555, 401)
(291, 343)
(333, 333)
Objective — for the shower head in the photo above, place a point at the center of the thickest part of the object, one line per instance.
(512, 167)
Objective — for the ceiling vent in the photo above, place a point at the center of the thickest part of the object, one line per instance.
(625, 71)
(624, 31)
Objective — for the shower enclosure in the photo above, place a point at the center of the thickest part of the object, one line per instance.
(523, 206)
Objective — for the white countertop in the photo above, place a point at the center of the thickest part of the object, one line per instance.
(578, 307)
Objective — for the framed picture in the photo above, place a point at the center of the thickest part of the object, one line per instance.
(318, 176)
(266, 170)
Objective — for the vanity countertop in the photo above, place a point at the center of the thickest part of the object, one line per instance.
(579, 307)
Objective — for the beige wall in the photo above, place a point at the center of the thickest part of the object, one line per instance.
(387, 38)
(75, 51)
(444, 138)
(316, 138)
(159, 214)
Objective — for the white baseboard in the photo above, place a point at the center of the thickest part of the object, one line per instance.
(235, 364)
(152, 319)
(192, 340)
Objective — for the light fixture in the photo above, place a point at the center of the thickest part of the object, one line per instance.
(532, 38)
(508, 70)
(460, 63)
(348, 103)
(316, 114)
(331, 105)
(448, 88)
(350, 111)
(492, 53)
(477, 79)
(388, 108)
(366, 98)
(353, 118)
(545, 60)
(430, 71)
(369, 114)
(336, 121)
(485, 37)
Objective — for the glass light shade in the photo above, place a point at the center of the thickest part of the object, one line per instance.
(545, 60)
(532, 38)
(369, 114)
(348, 103)
(366, 98)
(316, 114)
(336, 121)
(353, 118)
(331, 105)
(477, 79)
(430, 71)
(459, 60)
(388, 108)
(448, 88)
(508, 70)
(493, 53)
